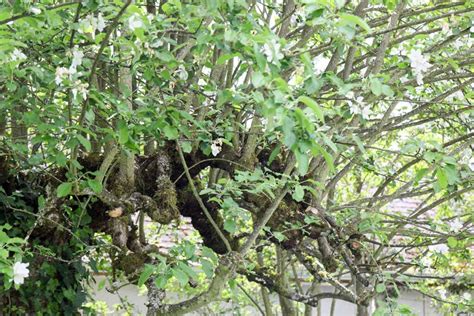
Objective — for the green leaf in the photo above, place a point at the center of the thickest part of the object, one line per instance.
(452, 242)
(229, 225)
(222, 59)
(257, 79)
(182, 277)
(61, 159)
(279, 236)
(387, 90)
(376, 86)
(329, 142)
(451, 174)
(171, 132)
(327, 156)
(160, 281)
(5, 12)
(187, 269)
(289, 139)
(186, 147)
(442, 178)
(64, 189)
(208, 253)
(298, 193)
(207, 267)
(380, 288)
(3, 237)
(123, 134)
(101, 284)
(95, 185)
(420, 174)
(313, 106)
(339, 3)
(354, 20)
(84, 142)
(302, 161)
(313, 84)
(11, 86)
(146, 274)
(359, 144)
(274, 154)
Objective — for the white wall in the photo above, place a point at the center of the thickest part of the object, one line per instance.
(419, 304)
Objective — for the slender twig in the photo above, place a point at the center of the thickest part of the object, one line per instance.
(201, 203)
(251, 299)
(25, 14)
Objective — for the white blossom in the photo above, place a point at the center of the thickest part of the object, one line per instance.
(61, 72)
(320, 64)
(441, 248)
(458, 44)
(100, 22)
(90, 24)
(156, 43)
(402, 107)
(77, 56)
(419, 78)
(272, 50)
(17, 55)
(442, 293)
(87, 25)
(182, 73)
(135, 22)
(35, 10)
(399, 50)
(426, 262)
(359, 107)
(404, 79)
(467, 296)
(456, 225)
(419, 64)
(216, 147)
(467, 158)
(20, 272)
(456, 95)
(445, 28)
(80, 88)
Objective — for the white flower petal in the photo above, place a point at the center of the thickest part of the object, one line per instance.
(216, 147)
(20, 272)
(100, 23)
(77, 56)
(35, 10)
(135, 22)
(441, 248)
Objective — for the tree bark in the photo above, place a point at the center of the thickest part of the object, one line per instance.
(287, 306)
(127, 159)
(263, 290)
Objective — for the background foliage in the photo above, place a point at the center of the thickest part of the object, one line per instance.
(286, 130)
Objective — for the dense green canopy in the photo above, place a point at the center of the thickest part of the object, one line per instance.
(310, 142)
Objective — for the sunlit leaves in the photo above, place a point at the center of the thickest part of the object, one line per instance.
(95, 185)
(378, 88)
(353, 20)
(64, 189)
(84, 142)
(146, 274)
(201, 73)
(298, 193)
(123, 134)
(313, 106)
(258, 79)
